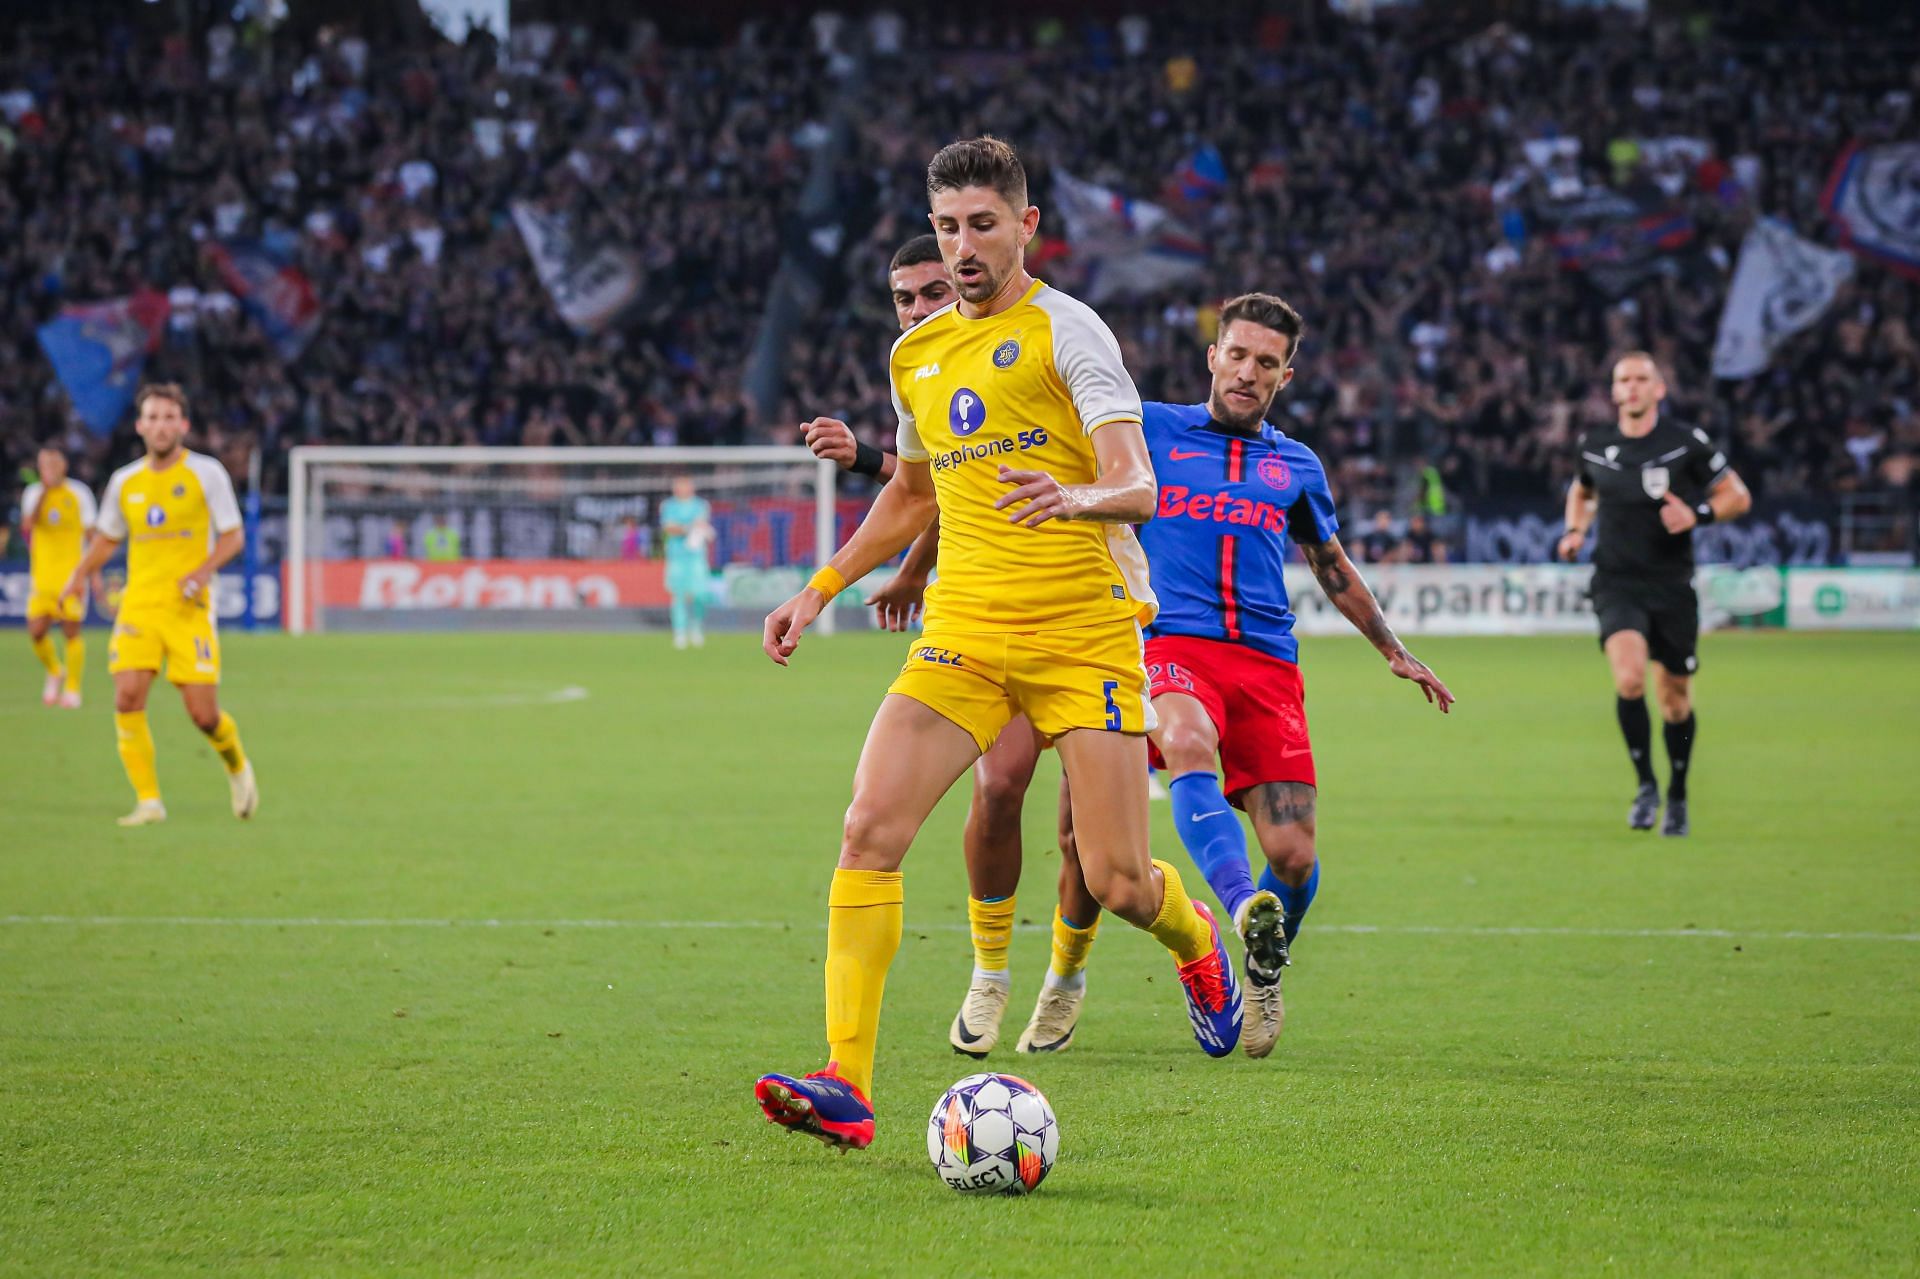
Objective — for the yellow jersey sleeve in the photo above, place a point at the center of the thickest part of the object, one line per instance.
(1023, 389)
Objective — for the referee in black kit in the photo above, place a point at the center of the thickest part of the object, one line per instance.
(1652, 482)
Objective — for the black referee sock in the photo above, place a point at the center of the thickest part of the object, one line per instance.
(1679, 754)
(1637, 728)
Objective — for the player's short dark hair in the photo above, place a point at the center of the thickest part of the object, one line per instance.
(165, 391)
(1269, 312)
(921, 248)
(52, 444)
(984, 161)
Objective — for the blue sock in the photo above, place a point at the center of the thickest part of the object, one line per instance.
(1211, 831)
(1292, 900)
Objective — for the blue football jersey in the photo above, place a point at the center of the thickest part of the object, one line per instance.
(1217, 544)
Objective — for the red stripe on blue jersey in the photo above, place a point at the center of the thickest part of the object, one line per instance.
(1229, 604)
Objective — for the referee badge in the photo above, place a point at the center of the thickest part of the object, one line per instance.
(1655, 480)
(1005, 354)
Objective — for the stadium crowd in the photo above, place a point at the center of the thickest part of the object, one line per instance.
(1387, 181)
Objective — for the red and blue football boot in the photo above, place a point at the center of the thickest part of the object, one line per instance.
(821, 1105)
(1213, 994)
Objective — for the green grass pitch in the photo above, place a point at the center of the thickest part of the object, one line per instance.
(1505, 1053)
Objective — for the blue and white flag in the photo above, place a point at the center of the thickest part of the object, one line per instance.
(99, 350)
(1874, 197)
(1783, 285)
(1129, 247)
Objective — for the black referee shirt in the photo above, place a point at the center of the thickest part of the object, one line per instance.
(1632, 477)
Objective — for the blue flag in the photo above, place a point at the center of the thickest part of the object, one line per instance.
(277, 294)
(99, 350)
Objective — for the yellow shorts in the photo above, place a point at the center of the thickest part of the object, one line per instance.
(1088, 677)
(49, 604)
(184, 636)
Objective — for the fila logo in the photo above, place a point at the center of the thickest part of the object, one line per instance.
(926, 371)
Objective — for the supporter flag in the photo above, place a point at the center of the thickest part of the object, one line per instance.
(1874, 198)
(1129, 247)
(1619, 254)
(1782, 285)
(98, 351)
(590, 283)
(277, 294)
(1202, 176)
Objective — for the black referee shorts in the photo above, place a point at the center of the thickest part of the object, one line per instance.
(1667, 613)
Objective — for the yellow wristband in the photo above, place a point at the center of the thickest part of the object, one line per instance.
(828, 582)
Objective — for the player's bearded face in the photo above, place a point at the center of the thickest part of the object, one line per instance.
(162, 425)
(1249, 366)
(983, 239)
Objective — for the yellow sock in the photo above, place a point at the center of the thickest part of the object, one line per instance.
(1070, 945)
(136, 752)
(992, 930)
(76, 662)
(226, 743)
(43, 649)
(863, 931)
(1178, 926)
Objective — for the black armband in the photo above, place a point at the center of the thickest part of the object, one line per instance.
(1703, 513)
(867, 460)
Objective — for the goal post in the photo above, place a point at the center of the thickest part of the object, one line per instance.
(461, 538)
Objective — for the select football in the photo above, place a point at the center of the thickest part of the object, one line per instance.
(992, 1135)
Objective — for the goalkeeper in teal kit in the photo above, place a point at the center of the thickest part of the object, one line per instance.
(686, 522)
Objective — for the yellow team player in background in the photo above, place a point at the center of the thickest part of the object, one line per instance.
(56, 515)
(177, 513)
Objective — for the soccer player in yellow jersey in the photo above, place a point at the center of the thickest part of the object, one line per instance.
(918, 281)
(1020, 426)
(176, 511)
(56, 515)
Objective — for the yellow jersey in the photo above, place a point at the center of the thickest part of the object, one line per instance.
(57, 537)
(169, 520)
(1026, 388)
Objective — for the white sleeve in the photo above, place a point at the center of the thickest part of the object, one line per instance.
(89, 513)
(218, 487)
(1088, 360)
(112, 521)
(29, 498)
(907, 441)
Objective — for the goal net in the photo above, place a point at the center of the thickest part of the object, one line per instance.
(552, 538)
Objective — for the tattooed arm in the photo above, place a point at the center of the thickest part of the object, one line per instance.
(1341, 581)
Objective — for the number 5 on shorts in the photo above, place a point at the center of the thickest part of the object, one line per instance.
(1113, 711)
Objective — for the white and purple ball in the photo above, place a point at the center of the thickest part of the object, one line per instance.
(992, 1135)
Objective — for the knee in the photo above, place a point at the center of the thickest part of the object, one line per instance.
(205, 721)
(1187, 749)
(1000, 792)
(1289, 850)
(871, 840)
(1675, 704)
(126, 701)
(1631, 685)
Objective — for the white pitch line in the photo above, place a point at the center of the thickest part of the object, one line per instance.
(1401, 930)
